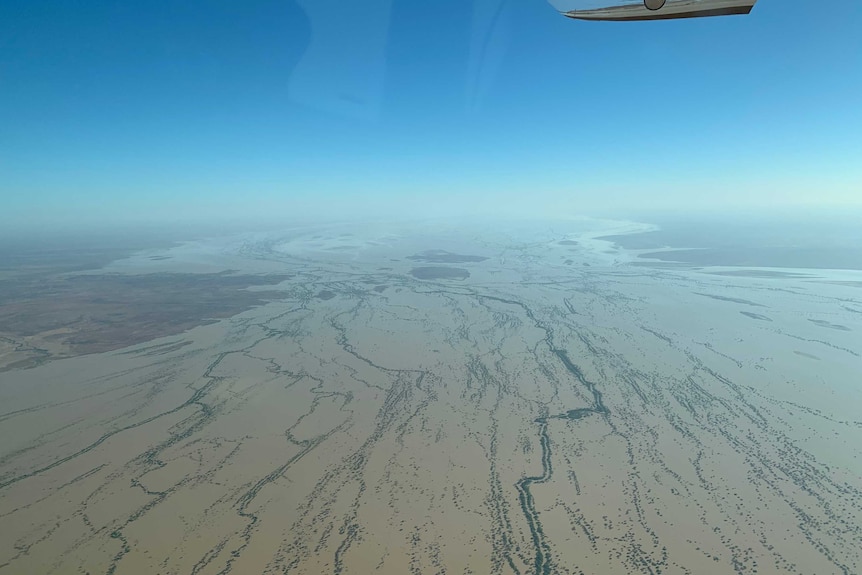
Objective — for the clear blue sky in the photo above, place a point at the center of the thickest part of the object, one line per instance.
(145, 110)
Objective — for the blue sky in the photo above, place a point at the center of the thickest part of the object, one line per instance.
(165, 110)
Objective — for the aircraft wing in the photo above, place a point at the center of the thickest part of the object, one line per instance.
(630, 10)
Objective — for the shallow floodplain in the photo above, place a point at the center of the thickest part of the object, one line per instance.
(530, 416)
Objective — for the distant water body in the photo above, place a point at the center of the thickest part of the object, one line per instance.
(814, 242)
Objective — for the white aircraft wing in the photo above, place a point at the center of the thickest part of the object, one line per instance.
(628, 10)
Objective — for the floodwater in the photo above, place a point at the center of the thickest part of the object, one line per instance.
(547, 408)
